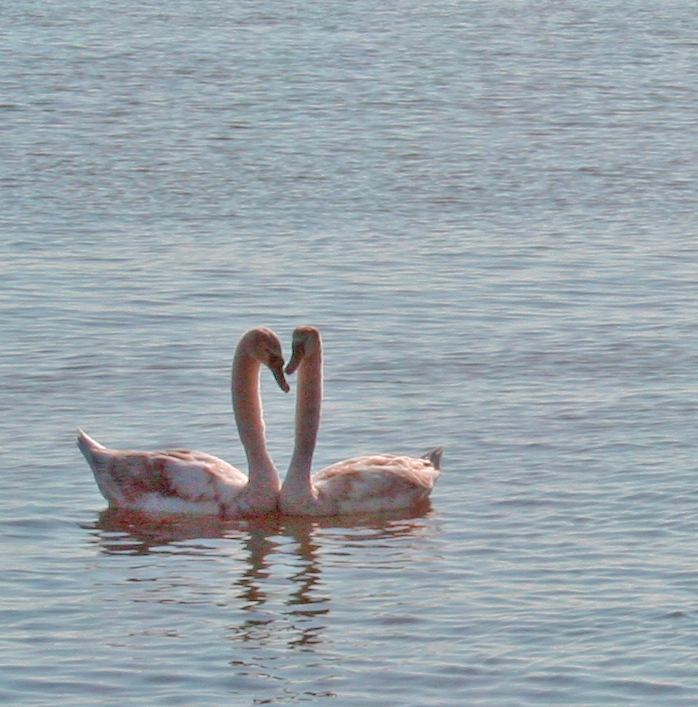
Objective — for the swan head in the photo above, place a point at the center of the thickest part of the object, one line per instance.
(306, 341)
(264, 345)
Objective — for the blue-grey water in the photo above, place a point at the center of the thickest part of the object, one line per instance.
(489, 209)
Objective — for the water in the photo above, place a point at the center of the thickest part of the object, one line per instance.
(489, 210)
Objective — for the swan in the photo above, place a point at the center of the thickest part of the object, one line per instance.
(369, 484)
(191, 482)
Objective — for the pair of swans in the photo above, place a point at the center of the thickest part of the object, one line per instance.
(191, 482)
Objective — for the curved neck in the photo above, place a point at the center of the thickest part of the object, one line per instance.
(247, 406)
(308, 404)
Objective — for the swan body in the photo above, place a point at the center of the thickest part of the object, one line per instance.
(370, 484)
(191, 482)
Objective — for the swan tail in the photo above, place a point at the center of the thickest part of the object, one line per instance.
(97, 455)
(88, 446)
(102, 461)
(434, 456)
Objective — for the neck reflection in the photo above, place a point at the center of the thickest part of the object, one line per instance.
(266, 573)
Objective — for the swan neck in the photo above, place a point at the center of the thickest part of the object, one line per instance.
(247, 406)
(308, 405)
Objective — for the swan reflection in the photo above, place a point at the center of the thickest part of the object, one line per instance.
(266, 573)
(120, 532)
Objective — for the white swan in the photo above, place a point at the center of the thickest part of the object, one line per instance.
(370, 484)
(179, 481)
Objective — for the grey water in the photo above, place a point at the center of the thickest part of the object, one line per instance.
(489, 209)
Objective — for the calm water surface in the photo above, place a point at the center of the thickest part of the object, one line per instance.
(488, 208)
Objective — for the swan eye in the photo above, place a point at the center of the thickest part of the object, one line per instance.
(275, 361)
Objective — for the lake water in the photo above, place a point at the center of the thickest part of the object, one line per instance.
(489, 209)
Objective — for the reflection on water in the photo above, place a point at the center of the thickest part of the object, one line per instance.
(131, 533)
(503, 265)
(128, 533)
(276, 586)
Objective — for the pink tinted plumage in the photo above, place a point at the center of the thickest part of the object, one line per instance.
(370, 484)
(192, 482)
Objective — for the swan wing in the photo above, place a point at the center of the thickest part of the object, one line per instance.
(176, 481)
(374, 483)
(171, 482)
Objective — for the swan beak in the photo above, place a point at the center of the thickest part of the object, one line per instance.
(296, 357)
(277, 369)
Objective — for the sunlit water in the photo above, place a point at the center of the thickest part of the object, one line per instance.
(489, 210)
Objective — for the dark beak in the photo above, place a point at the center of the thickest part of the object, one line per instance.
(277, 369)
(297, 355)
